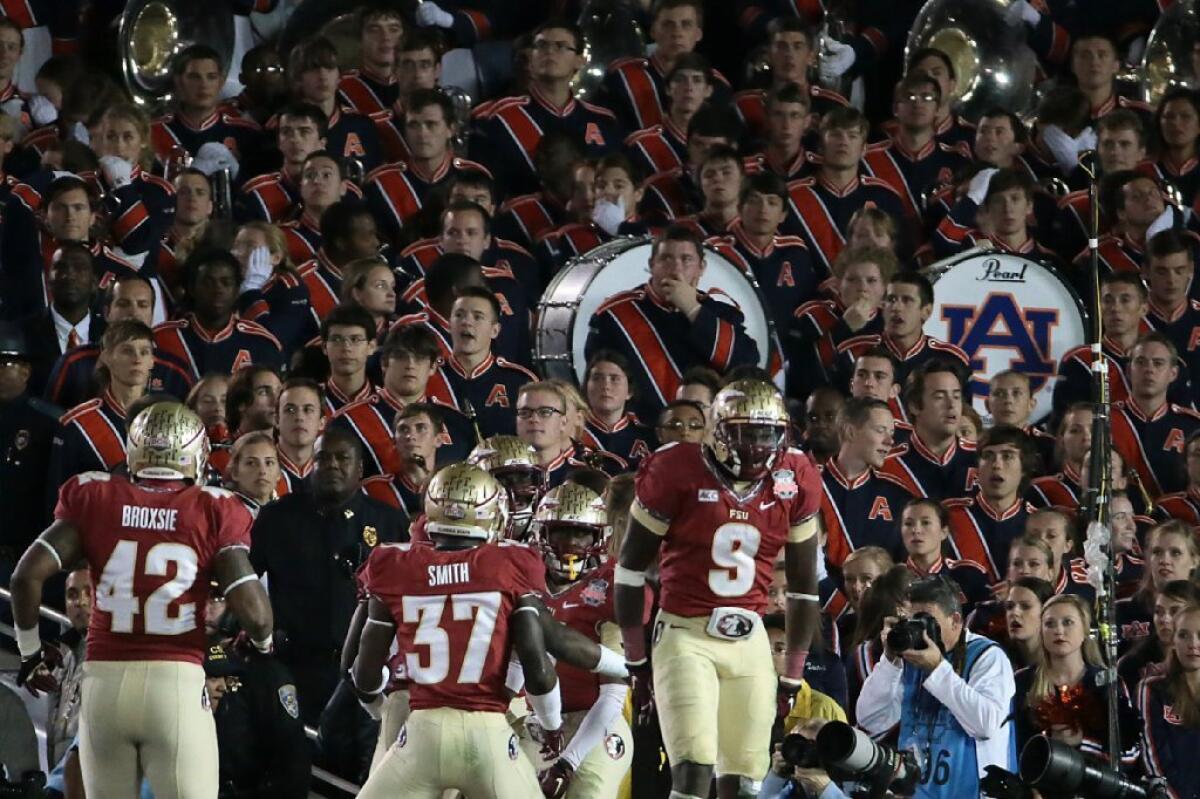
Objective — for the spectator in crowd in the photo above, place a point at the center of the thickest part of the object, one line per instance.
(62, 717)
(681, 420)
(69, 320)
(1148, 656)
(1172, 553)
(860, 570)
(925, 533)
(881, 605)
(1170, 736)
(207, 399)
(610, 425)
(371, 285)
(254, 472)
(299, 419)
(348, 340)
(418, 428)
(251, 401)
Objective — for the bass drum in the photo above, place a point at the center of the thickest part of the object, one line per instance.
(619, 265)
(1006, 312)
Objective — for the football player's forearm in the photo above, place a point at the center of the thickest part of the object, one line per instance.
(802, 612)
(629, 591)
(353, 634)
(252, 608)
(40, 562)
(568, 645)
(530, 646)
(629, 610)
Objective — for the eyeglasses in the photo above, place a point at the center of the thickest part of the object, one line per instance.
(341, 341)
(269, 69)
(925, 97)
(543, 46)
(679, 425)
(544, 412)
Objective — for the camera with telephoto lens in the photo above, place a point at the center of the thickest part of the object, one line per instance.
(799, 751)
(907, 634)
(851, 754)
(1057, 770)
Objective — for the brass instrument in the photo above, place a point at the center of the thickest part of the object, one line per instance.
(610, 31)
(992, 63)
(1170, 59)
(153, 32)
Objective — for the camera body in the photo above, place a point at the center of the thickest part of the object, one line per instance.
(907, 634)
(800, 752)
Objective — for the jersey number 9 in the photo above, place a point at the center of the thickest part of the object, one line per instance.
(734, 548)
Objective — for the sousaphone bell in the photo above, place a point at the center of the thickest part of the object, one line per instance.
(1171, 58)
(153, 32)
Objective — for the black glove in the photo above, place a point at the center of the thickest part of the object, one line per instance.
(555, 780)
(37, 670)
(641, 683)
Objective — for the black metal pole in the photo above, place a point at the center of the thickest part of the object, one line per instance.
(1098, 491)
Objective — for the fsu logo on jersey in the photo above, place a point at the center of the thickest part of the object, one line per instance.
(614, 746)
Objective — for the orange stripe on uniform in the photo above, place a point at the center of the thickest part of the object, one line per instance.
(723, 346)
(653, 355)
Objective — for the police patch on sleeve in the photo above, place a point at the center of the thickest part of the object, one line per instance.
(287, 698)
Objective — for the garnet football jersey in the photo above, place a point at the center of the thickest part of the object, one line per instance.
(585, 606)
(719, 546)
(451, 609)
(151, 550)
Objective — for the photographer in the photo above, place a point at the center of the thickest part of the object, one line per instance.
(950, 691)
(787, 780)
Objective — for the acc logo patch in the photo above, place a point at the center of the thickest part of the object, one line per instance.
(614, 745)
(785, 483)
(513, 750)
(287, 698)
(707, 495)
(370, 536)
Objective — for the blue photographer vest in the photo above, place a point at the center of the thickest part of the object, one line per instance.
(950, 766)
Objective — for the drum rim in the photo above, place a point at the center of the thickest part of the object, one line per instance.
(773, 339)
(1049, 266)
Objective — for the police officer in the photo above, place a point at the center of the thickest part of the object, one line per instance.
(310, 545)
(27, 426)
(260, 737)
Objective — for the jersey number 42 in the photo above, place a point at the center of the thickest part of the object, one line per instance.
(115, 595)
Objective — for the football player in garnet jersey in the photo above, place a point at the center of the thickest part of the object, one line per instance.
(572, 529)
(456, 609)
(153, 541)
(720, 512)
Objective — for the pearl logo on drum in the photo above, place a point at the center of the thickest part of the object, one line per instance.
(995, 272)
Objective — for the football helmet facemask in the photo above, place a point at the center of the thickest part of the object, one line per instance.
(167, 441)
(750, 428)
(571, 525)
(465, 506)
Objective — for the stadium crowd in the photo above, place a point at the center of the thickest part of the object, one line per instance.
(347, 287)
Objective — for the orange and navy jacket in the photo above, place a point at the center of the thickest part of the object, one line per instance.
(91, 437)
(926, 348)
(72, 380)
(367, 93)
(751, 107)
(635, 88)
(170, 133)
(1152, 443)
(913, 174)
(629, 438)
(925, 474)
(860, 511)
(659, 148)
(981, 533)
(488, 392)
(661, 343)
(239, 343)
(373, 419)
(396, 192)
(820, 212)
(509, 134)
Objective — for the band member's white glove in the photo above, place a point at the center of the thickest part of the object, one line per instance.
(1023, 11)
(41, 110)
(79, 133)
(213, 157)
(608, 216)
(431, 15)
(977, 189)
(258, 269)
(836, 58)
(1065, 149)
(117, 171)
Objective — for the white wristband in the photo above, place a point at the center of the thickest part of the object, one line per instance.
(265, 644)
(802, 597)
(610, 664)
(547, 707)
(29, 642)
(630, 577)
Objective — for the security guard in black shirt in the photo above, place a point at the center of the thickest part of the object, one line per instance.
(263, 751)
(27, 426)
(310, 545)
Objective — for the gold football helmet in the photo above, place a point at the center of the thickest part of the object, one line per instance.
(167, 441)
(750, 427)
(465, 503)
(511, 461)
(571, 525)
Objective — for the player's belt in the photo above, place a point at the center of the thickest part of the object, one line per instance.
(727, 624)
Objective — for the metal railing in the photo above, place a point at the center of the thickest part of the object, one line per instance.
(53, 615)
